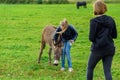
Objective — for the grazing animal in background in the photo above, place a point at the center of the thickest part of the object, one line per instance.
(84, 4)
(47, 38)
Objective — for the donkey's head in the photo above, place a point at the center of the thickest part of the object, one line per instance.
(57, 50)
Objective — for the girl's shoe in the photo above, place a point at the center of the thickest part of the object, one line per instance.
(62, 69)
(70, 69)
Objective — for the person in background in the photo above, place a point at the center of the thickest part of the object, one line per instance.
(101, 34)
(68, 36)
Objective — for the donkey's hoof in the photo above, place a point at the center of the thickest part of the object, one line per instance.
(55, 64)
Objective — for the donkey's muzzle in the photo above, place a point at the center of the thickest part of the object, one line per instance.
(55, 63)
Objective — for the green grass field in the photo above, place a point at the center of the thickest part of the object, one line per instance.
(20, 35)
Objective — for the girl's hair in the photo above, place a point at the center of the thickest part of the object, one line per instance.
(99, 7)
(63, 23)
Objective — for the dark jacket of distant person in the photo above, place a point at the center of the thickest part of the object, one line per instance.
(102, 32)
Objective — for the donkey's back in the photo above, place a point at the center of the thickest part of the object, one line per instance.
(48, 34)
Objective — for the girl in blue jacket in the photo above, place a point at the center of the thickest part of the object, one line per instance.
(68, 36)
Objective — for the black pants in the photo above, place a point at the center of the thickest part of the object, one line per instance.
(106, 56)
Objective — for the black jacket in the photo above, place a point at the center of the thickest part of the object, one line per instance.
(69, 34)
(102, 32)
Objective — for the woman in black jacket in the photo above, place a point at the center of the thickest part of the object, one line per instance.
(102, 32)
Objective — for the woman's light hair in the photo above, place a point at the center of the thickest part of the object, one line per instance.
(63, 25)
(99, 7)
(64, 22)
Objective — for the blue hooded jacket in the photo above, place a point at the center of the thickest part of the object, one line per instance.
(69, 34)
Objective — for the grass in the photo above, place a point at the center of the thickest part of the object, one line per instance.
(20, 36)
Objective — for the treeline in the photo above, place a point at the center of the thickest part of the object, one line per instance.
(49, 1)
(16, 1)
(34, 1)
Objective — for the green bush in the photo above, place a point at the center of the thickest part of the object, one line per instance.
(55, 1)
(17, 1)
(39, 1)
(34, 1)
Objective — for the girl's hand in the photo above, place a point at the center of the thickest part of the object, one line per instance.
(71, 42)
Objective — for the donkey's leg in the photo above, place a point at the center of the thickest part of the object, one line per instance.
(41, 50)
(49, 53)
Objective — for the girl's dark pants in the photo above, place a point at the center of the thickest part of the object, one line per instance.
(106, 56)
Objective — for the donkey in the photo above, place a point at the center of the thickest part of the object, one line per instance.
(47, 38)
(78, 4)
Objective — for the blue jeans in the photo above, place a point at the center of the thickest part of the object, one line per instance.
(66, 52)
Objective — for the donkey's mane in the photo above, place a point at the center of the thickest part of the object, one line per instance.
(54, 27)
